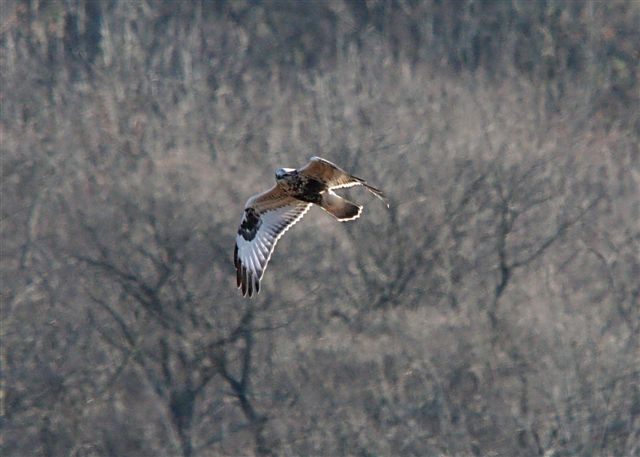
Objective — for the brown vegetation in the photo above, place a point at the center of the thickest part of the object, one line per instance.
(492, 310)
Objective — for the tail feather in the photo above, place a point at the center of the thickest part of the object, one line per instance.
(340, 208)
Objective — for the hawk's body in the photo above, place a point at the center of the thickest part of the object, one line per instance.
(269, 214)
(301, 187)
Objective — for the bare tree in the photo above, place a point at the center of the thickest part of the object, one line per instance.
(493, 309)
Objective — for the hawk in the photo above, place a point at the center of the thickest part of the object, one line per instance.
(267, 216)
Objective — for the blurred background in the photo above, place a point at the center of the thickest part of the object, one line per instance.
(493, 310)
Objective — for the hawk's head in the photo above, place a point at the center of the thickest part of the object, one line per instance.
(282, 173)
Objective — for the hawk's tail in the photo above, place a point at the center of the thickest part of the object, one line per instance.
(340, 208)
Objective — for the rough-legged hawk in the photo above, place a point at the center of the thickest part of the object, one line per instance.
(269, 214)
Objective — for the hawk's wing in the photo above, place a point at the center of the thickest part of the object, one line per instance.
(335, 177)
(266, 217)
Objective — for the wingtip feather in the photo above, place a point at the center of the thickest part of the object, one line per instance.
(377, 192)
(244, 281)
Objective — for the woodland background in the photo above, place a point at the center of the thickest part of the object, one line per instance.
(493, 310)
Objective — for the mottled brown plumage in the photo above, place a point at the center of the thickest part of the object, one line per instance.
(267, 216)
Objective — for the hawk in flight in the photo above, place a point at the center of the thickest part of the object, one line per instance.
(269, 214)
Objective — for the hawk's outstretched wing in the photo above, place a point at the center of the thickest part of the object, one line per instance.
(335, 177)
(266, 217)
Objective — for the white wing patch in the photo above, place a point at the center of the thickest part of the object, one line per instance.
(345, 185)
(377, 192)
(251, 256)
